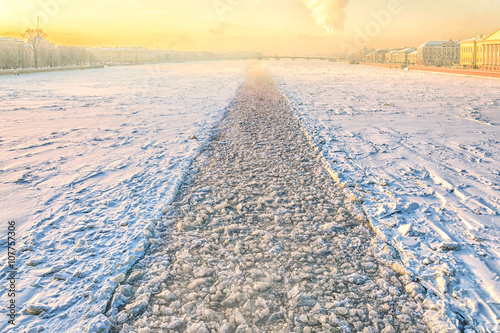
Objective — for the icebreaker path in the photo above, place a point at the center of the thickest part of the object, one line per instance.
(259, 238)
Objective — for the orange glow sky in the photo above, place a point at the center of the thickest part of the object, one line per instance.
(270, 26)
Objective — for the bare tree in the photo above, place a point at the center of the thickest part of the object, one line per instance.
(33, 38)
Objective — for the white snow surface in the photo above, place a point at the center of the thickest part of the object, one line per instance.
(88, 160)
(421, 153)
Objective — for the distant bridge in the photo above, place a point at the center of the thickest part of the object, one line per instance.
(279, 57)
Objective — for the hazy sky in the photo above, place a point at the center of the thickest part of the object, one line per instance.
(271, 26)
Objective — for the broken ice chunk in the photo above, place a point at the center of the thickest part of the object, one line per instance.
(449, 245)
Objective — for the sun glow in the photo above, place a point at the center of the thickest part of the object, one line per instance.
(293, 26)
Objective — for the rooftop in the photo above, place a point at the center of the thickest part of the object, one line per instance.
(436, 43)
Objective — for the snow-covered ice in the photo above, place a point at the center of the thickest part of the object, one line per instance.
(90, 158)
(88, 161)
(421, 153)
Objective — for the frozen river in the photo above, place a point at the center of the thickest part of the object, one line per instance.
(88, 160)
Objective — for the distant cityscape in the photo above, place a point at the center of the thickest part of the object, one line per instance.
(480, 52)
(18, 53)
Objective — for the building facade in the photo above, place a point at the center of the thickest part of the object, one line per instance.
(124, 55)
(132, 55)
(377, 55)
(412, 58)
(468, 53)
(362, 53)
(481, 51)
(402, 55)
(489, 49)
(450, 53)
(391, 56)
(439, 53)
